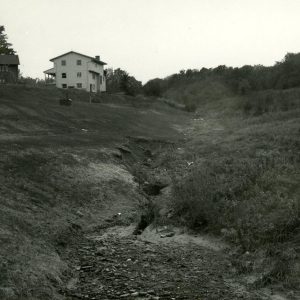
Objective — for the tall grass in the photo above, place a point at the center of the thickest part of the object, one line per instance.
(247, 199)
(247, 185)
(198, 92)
(271, 101)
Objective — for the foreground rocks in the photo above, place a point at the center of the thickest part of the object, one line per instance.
(125, 267)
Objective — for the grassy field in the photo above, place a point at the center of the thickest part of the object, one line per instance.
(238, 175)
(60, 173)
(231, 168)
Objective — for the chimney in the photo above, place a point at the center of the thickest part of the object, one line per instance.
(97, 57)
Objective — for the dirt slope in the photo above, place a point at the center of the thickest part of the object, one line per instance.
(59, 169)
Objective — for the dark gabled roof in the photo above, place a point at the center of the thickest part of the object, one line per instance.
(9, 59)
(92, 58)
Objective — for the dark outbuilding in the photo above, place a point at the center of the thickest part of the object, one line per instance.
(9, 68)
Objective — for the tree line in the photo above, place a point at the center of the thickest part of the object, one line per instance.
(243, 80)
(284, 74)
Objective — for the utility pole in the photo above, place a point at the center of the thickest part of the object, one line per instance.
(90, 93)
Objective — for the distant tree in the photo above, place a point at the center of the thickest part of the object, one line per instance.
(113, 80)
(182, 73)
(203, 73)
(124, 82)
(244, 80)
(220, 70)
(130, 85)
(119, 80)
(288, 71)
(5, 47)
(154, 87)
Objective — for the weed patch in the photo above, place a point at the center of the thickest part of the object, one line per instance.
(248, 199)
(271, 101)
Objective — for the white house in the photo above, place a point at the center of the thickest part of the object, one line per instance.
(75, 70)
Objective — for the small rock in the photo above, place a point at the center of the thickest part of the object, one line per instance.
(125, 295)
(86, 267)
(124, 149)
(101, 250)
(169, 234)
(79, 213)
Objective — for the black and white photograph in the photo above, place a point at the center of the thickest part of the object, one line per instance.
(149, 149)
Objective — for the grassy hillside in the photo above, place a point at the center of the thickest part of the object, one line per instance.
(196, 93)
(231, 167)
(35, 111)
(237, 175)
(60, 173)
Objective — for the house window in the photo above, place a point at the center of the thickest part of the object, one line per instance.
(78, 62)
(94, 76)
(78, 74)
(63, 75)
(79, 85)
(64, 86)
(100, 79)
(63, 62)
(3, 68)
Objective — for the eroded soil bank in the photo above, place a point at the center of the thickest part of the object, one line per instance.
(163, 262)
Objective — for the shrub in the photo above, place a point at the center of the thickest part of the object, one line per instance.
(271, 101)
(154, 87)
(244, 197)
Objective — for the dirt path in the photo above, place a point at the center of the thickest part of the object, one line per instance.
(114, 264)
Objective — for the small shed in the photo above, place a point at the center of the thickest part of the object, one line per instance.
(9, 68)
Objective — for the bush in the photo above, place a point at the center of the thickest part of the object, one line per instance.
(246, 198)
(154, 87)
(271, 101)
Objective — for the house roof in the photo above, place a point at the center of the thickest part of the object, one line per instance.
(50, 71)
(92, 58)
(9, 59)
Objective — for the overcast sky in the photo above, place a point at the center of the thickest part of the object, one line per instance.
(152, 38)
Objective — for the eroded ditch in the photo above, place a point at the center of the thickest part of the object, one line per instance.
(148, 260)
